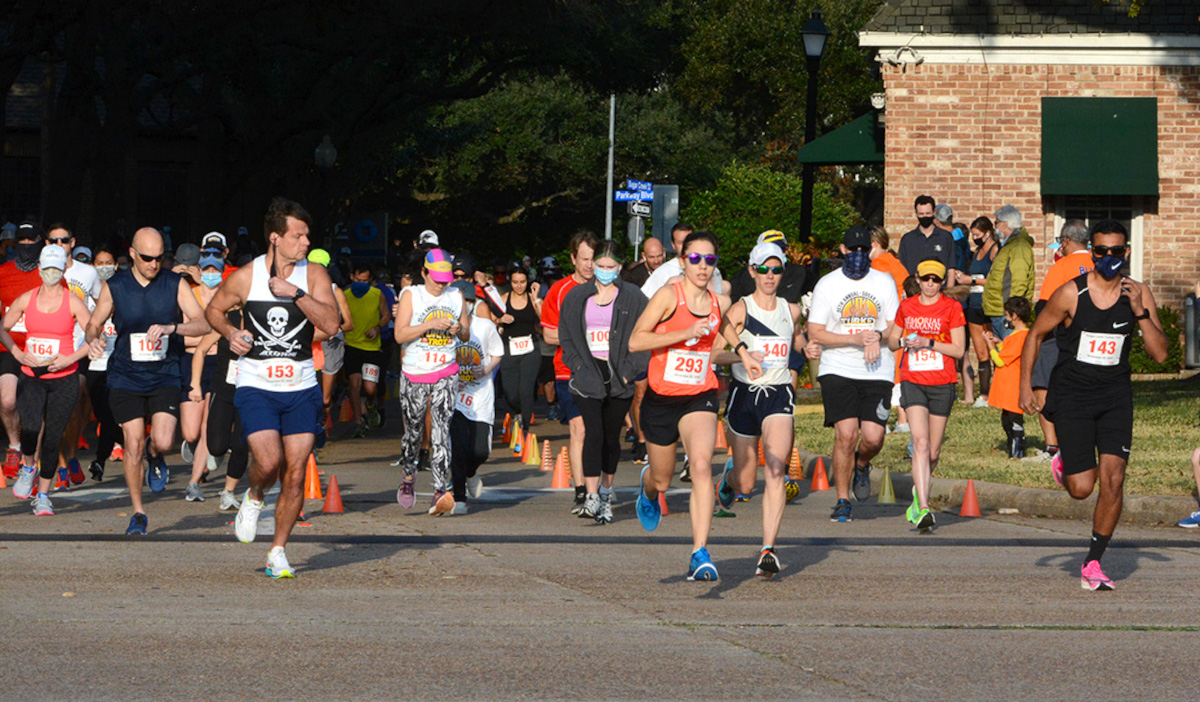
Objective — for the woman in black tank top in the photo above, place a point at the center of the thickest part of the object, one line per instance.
(519, 328)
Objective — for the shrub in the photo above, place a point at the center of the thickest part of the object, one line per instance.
(1140, 362)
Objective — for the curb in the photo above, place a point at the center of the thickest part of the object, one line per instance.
(1143, 510)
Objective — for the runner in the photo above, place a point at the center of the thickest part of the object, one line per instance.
(334, 348)
(520, 327)
(48, 389)
(147, 306)
(224, 425)
(199, 368)
(428, 318)
(595, 324)
(17, 276)
(364, 361)
(583, 246)
(679, 326)
(108, 432)
(475, 401)
(762, 328)
(285, 303)
(930, 329)
(1090, 398)
(851, 313)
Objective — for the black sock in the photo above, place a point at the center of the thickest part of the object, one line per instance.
(580, 491)
(1052, 450)
(1096, 550)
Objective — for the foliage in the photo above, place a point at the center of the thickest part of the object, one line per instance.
(748, 200)
(1140, 362)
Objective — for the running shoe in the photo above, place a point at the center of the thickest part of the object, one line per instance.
(841, 512)
(441, 503)
(981, 401)
(901, 429)
(474, 487)
(277, 564)
(577, 504)
(911, 513)
(42, 506)
(159, 475)
(606, 514)
(407, 494)
(118, 453)
(62, 479)
(302, 518)
(12, 463)
(1056, 469)
(97, 470)
(591, 507)
(360, 431)
(725, 494)
(460, 508)
(640, 456)
(23, 488)
(648, 511)
(552, 414)
(193, 494)
(214, 463)
(229, 501)
(630, 436)
(685, 475)
(768, 564)
(925, 521)
(1190, 522)
(862, 481)
(137, 525)
(373, 418)
(701, 566)
(245, 524)
(75, 473)
(1092, 578)
(186, 452)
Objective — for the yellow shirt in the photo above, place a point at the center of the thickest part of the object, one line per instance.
(365, 313)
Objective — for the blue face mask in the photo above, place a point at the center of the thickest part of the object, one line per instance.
(359, 289)
(1109, 266)
(211, 280)
(858, 263)
(607, 277)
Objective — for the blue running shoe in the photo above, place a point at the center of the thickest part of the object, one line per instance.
(648, 512)
(158, 475)
(701, 566)
(137, 525)
(725, 494)
(1190, 522)
(841, 512)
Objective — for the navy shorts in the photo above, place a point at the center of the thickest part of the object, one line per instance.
(296, 412)
(566, 404)
(749, 406)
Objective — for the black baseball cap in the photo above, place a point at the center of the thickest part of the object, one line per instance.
(857, 236)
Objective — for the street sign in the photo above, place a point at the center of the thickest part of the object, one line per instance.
(637, 208)
(639, 185)
(636, 231)
(628, 195)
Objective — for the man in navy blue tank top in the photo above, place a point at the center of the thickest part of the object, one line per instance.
(148, 307)
(1090, 396)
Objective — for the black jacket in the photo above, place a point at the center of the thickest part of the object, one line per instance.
(586, 379)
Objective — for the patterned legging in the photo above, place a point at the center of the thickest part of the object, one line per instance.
(439, 397)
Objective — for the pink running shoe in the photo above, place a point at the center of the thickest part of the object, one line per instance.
(407, 494)
(1056, 469)
(1092, 578)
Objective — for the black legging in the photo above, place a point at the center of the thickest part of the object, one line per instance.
(470, 445)
(518, 380)
(602, 423)
(52, 402)
(109, 431)
(225, 430)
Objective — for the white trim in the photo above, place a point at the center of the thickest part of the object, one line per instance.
(1030, 41)
(1079, 49)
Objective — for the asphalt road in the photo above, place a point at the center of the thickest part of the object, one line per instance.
(521, 600)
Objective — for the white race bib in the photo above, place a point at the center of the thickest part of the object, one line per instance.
(142, 350)
(686, 367)
(520, 345)
(20, 325)
(281, 373)
(925, 360)
(775, 351)
(598, 340)
(231, 374)
(42, 350)
(1100, 349)
(465, 400)
(370, 373)
(437, 358)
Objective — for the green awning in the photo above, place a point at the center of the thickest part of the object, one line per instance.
(1099, 146)
(860, 141)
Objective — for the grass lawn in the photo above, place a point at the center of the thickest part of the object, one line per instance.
(1164, 435)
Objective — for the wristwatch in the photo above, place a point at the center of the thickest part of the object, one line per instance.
(1144, 315)
(299, 294)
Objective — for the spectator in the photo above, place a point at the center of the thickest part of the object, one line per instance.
(1011, 274)
(882, 259)
(928, 240)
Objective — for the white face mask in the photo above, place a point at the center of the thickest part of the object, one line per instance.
(106, 272)
(51, 276)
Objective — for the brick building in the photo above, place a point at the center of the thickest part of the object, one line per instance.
(1063, 108)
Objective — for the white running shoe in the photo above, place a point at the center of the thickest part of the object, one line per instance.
(193, 494)
(474, 487)
(245, 524)
(23, 487)
(277, 564)
(229, 501)
(42, 506)
(981, 401)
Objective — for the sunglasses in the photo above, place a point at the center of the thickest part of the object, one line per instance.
(60, 240)
(460, 276)
(763, 270)
(930, 279)
(148, 259)
(695, 259)
(1117, 251)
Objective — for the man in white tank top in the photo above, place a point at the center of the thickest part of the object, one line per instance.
(287, 306)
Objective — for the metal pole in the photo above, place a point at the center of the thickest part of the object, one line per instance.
(608, 208)
(810, 132)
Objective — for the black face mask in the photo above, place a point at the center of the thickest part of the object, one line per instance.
(978, 242)
(27, 255)
(925, 222)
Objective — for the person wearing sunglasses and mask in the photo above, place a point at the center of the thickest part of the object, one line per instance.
(17, 277)
(930, 331)
(147, 306)
(679, 327)
(763, 330)
(851, 317)
(1090, 396)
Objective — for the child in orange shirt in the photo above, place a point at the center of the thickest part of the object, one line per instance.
(1006, 382)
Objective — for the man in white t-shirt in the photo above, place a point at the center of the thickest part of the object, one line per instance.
(850, 317)
(674, 268)
(475, 401)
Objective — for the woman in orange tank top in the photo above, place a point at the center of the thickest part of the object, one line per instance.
(679, 326)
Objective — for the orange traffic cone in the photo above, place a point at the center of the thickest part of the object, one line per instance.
(333, 498)
(547, 462)
(329, 421)
(531, 452)
(3, 482)
(518, 441)
(531, 418)
(312, 483)
(721, 442)
(562, 472)
(970, 505)
(506, 428)
(762, 460)
(662, 503)
(819, 480)
(794, 470)
(347, 412)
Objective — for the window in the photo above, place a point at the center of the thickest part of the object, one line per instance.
(1092, 208)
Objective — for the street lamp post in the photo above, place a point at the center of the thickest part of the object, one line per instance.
(814, 34)
(325, 156)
